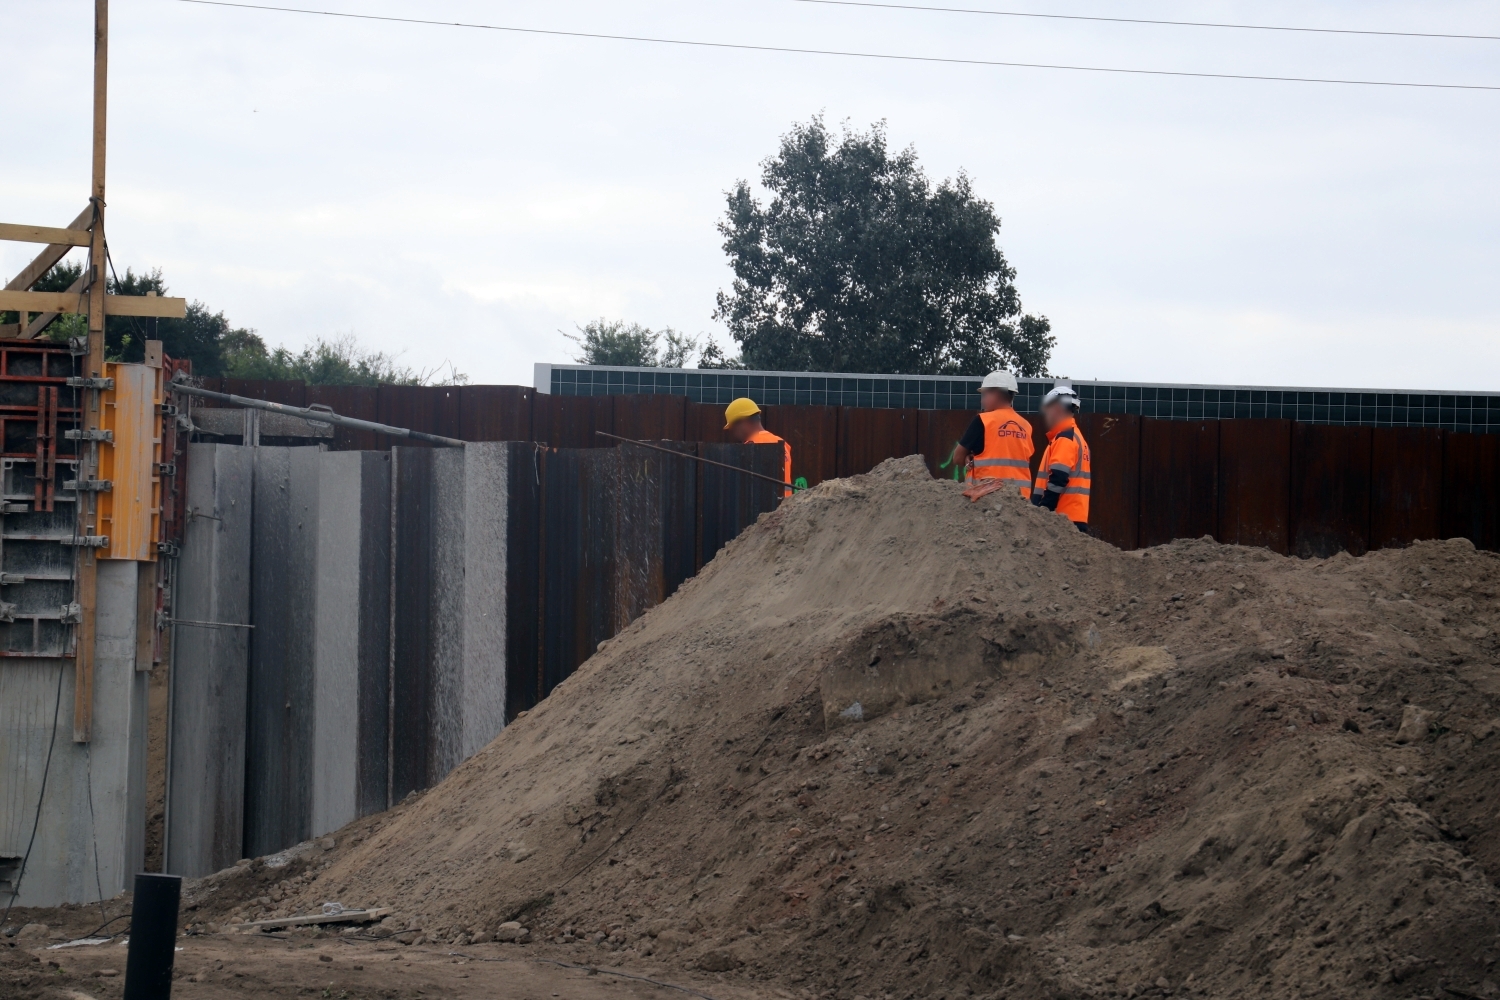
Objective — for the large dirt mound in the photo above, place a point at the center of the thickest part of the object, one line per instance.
(891, 743)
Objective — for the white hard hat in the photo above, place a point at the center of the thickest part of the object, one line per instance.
(1062, 393)
(1000, 380)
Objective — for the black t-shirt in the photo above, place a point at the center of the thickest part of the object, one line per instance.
(973, 439)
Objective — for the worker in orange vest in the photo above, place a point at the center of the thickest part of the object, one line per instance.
(742, 420)
(1064, 478)
(997, 444)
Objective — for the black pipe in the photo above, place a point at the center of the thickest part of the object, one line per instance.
(153, 937)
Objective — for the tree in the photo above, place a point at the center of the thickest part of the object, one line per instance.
(217, 347)
(339, 361)
(859, 264)
(631, 345)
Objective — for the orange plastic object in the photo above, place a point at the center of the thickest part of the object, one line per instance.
(129, 512)
(985, 487)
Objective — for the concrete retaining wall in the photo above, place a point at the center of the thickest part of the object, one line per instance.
(449, 617)
(352, 662)
(283, 608)
(206, 748)
(90, 824)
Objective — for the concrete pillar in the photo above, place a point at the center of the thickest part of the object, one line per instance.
(352, 643)
(280, 705)
(449, 618)
(90, 825)
(206, 744)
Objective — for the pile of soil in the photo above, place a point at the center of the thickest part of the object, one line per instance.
(891, 744)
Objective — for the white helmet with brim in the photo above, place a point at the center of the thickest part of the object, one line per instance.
(1000, 380)
(1064, 394)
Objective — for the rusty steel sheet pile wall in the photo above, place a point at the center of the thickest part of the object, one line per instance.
(729, 502)
(1283, 484)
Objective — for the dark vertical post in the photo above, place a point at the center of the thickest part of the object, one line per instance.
(153, 937)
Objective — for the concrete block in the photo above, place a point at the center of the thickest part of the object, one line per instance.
(281, 695)
(449, 617)
(352, 641)
(206, 746)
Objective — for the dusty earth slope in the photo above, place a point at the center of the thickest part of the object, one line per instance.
(891, 743)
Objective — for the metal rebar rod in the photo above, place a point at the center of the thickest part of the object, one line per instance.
(315, 416)
(184, 621)
(706, 461)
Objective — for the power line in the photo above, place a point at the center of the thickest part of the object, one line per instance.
(894, 57)
(1142, 20)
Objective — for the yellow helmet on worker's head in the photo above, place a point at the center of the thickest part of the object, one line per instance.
(739, 410)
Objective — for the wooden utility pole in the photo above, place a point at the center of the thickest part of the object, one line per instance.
(88, 500)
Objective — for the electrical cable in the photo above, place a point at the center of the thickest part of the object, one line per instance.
(41, 797)
(850, 54)
(1143, 20)
(88, 774)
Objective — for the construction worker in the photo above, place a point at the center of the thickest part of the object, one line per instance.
(1064, 478)
(742, 420)
(997, 444)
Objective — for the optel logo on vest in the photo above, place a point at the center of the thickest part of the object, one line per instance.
(1011, 429)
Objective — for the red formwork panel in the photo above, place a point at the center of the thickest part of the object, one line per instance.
(1330, 494)
(655, 418)
(1179, 479)
(357, 401)
(1115, 500)
(1406, 484)
(571, 421)
(704, 422)
(868, 437)
(938, 432)
(1255, 470)
(813, 433)
(1471, 488)
(495, 412)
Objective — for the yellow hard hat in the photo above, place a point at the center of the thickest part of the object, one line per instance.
(739, 410)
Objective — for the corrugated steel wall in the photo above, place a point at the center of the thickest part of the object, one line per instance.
(1309, 489)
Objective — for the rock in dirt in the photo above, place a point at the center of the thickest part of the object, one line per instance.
(1177, 769)
(1416, 723)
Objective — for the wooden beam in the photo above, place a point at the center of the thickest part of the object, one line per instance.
(342, 917)
(48, 258)
(163, 306)
(43, 234)
(87, 590)
(57, 302)
(32, 330)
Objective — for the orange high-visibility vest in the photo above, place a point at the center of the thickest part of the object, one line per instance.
(1007, 449)
(1068, 452)
(764, 436)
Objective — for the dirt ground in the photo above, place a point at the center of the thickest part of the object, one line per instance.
(156, 765)
(214, 967)
(892, 744)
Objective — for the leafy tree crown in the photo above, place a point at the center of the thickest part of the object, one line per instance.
(859, 264)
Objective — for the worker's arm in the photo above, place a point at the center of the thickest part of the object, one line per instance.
(971, 444)
(1060, 459)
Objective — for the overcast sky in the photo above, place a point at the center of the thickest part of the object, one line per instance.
(462, 195)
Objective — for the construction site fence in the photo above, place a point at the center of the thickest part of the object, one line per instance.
(1295, 488)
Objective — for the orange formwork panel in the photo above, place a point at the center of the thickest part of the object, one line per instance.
(130, 511)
